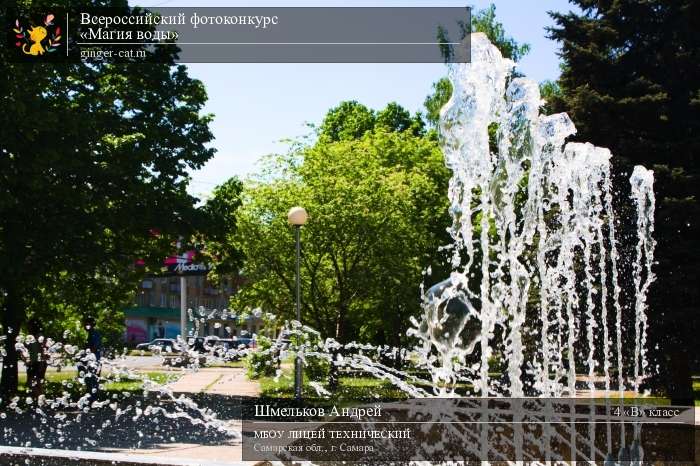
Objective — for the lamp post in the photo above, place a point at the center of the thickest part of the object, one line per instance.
(297, 216)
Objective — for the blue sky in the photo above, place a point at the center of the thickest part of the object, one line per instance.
(256, 106)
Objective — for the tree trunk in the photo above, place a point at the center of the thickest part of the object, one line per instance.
(12, 318)
(680, 385)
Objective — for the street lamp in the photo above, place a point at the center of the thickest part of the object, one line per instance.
(297, 216)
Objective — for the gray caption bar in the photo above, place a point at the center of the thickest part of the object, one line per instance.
(295, 35)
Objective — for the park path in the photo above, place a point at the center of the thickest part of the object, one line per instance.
(231, 381)
(227, 381)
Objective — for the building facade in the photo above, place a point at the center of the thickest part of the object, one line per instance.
(156, 310)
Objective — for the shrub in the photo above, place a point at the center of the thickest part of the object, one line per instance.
(262, 362)
(316, 368)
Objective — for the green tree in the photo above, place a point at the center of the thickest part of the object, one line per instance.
(396, 118)
(93, 158)
(378, 215)
(442, 91)
(485, 21)
(481, 21)
(631, 82)
(550, 91)
(221, 210)
(349, 120)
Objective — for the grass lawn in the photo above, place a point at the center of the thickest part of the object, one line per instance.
(240, 363)
(349, 388)
(58, 382)
(136, 385)
(137, 352)
(368, 388)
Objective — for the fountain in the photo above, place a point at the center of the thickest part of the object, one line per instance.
(534, 235)
(534, 305)
(535, 292)
(535, 295)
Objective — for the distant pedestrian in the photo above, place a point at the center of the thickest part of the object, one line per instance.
(36, 365)
(91, 365)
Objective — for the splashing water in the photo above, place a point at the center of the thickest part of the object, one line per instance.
(123, 419)
(535, 297)
(534, 240)
(535, 294)
(642, 183)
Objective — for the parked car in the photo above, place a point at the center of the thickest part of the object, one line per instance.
(244, 342)
(202, 344)
(232, 348)
(194, 353)
(284, 340)
(165, 345)
(184, 359)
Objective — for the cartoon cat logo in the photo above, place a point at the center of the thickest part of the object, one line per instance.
(31, 40)
(36, 35)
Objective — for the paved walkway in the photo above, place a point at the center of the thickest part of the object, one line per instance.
(218, 381)
(215, 381)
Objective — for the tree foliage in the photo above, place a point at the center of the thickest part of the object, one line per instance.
(93, 161)
(485, 21)
(222, 228)
(550, 91)
(631, 82)
(378, 214)
(442, 91)
(351, 120)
